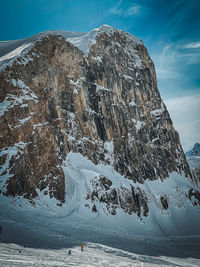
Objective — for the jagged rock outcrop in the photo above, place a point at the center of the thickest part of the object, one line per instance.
(130, 200)
(194, 197)
(104, 104)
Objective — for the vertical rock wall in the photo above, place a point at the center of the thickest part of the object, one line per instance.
(105, 106)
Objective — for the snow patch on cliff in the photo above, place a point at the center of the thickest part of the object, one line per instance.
(18, 55)
(127, 77)
(98, 59)
(132, 103)
(84, 42)
(157, 112)
(11, 100)
(22, 121)
(138, 124)
(15, 52)
(109, 152)
(8, 154)
(101, 88)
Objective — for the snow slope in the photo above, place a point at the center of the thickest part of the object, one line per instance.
(80, 173)
(48, 231)
(93, 255)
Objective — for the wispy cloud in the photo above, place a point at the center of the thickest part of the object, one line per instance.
(134, 10)
(164, 64)
(192, 45)
(125, 12)
(174, 62)
(185, 114)
(116, 9)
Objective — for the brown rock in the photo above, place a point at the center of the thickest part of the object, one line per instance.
(61, 101)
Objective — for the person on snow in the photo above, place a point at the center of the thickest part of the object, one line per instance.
(70, 252)
(81, 246)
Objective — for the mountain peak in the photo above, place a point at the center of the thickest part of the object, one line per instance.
(196, 146)
(195, 151)
(106, 27)
(11, 50)
(89, 132)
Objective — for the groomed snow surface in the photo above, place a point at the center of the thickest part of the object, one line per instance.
(93, 255)
(164, 238)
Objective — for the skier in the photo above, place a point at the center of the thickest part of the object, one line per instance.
(70, 252)
(81, 246)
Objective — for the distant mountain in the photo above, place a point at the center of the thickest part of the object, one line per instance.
(193, 159)
(195, 151)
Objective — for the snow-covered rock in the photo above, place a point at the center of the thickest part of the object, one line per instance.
(97, 136)
(193, 159)
(195, 151)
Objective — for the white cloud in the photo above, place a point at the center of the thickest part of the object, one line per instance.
(166, 73)
(171, 61)
(185, 114)
(192, 45)
(116, 10)
(134, 10)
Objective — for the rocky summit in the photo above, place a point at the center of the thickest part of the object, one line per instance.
(89, 93)
(193, 159)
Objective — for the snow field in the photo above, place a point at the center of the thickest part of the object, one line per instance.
(49, 231)
(94, 255)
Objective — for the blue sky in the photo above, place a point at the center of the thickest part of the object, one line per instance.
(170, 29)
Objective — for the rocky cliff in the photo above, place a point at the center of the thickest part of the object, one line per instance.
(94, 94)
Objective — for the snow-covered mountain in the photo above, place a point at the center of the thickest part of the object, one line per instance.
(85, 134)
(193, 159)
(195, 151)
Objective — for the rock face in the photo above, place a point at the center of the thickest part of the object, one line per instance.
(130, 201)
(103, 103)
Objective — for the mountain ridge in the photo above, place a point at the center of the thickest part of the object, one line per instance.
(80, 39)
